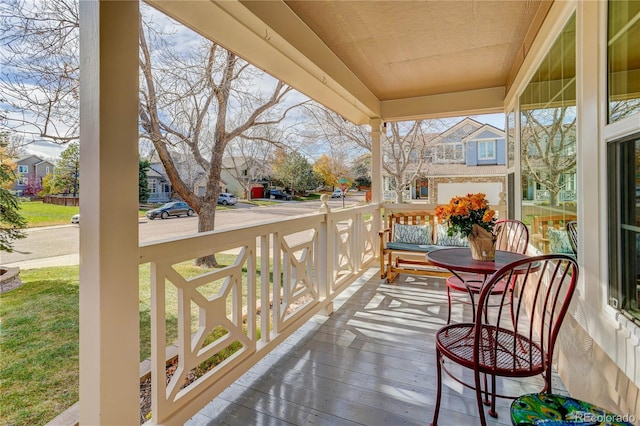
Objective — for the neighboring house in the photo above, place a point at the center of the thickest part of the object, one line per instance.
(468, 157)
(158, 183)
(161, 191)
(231, 178)
(30, 171)
(201, 183)
(241, 174)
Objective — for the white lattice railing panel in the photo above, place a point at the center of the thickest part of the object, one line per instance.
(344, 231)
(209, 321)
(299, 283)
(369, 241)
(222, 320)
(350, 243)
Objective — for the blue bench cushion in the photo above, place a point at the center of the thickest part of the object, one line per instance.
(425, 248)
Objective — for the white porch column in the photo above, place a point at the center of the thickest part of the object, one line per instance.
(109, 330)
(376, 161)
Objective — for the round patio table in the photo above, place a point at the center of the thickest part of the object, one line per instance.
(459, 260)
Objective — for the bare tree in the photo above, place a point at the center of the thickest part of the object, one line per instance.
(39, 78)
(330, 128)
(189, 98)
(14, 144)
(549, 143)
(404, 154)
(403, 148)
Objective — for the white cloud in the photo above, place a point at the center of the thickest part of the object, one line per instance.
(44, 149)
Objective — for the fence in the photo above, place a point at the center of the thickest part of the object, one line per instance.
(61, 200)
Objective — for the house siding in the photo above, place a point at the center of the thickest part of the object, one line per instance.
(35, 168)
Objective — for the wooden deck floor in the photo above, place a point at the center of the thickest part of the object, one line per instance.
(372, 362)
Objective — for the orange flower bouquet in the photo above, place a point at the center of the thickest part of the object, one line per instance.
(471, 216)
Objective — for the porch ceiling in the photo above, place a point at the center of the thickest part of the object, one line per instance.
(378, 59)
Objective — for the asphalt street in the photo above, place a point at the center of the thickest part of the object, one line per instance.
(59, 245)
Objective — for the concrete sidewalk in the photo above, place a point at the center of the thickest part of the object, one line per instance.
(65, 260)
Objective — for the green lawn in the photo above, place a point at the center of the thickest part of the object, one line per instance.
(39, 214)
(39, 346)
(39, 339)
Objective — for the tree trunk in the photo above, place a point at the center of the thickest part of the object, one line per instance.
(206, 221)
(398, 197)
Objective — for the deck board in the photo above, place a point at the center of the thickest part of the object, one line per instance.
(372, 362)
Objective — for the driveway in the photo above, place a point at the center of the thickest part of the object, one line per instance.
(59, 245)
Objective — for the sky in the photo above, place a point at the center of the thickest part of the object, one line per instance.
(44, 149)
(496, 120)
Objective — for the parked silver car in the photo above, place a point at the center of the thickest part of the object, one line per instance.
(227, 199)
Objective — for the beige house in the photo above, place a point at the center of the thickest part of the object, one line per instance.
(565, 73)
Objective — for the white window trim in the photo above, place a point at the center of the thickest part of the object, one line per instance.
(441, 147)
(25, 167)
(485, 143)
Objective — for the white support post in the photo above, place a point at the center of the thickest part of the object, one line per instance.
(589, 149)
(376, 161)
(325, 271)
(109, 319)
(376, 172)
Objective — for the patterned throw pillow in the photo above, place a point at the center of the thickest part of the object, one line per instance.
(456, 240)
(559, 241)
(412, 234)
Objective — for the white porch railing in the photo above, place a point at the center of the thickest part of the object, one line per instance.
(284, 273)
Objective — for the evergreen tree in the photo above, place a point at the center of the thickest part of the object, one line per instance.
(11, 222)
(361, 170)
(66, 178)
(143, 183)
(293, 170)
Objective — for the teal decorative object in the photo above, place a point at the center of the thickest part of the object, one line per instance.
(558, 410)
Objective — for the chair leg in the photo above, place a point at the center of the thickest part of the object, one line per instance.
(547, 379)
(483, 421)
(449, 303)
(485, 398)
(439, 395)
(492, 409)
